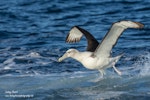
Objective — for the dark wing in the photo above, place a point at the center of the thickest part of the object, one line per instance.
(75, 35)
(110, 39)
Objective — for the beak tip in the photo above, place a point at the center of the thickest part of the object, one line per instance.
(62, 58)
(59, 60)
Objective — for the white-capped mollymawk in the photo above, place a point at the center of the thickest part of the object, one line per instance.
(98, 55)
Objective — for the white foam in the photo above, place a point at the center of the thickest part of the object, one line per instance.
(34, 54)
(145, 66)
(141, 67)
(7, 64)
(10, 63)
(7, 67)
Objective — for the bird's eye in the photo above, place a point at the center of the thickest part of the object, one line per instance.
(69, 52)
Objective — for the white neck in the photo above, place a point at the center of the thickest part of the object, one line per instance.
(77, 56)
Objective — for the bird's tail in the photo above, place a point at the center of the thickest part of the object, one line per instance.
(118, 57)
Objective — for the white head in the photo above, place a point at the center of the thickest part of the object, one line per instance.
(69, 53)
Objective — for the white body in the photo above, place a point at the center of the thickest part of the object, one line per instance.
(89, 62)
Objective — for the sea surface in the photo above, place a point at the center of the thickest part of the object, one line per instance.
(32, 38)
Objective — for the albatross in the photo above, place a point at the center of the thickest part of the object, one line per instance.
(98, 55)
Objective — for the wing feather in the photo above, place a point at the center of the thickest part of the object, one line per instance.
(74, 35)
(110, 39)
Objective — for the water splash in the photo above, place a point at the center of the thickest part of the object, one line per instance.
(145, 66)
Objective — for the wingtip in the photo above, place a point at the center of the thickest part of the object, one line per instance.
(74, 35)
(72, 40)
(130, 24)
(140, 25)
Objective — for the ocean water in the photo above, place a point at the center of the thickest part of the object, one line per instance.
(32, 38)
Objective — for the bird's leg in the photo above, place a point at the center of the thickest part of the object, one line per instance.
(118, 72)
(102, 72)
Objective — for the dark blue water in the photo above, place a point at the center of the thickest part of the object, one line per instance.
(32, 38)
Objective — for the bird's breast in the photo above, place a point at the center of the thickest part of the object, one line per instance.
(90, 62)
(95, 63)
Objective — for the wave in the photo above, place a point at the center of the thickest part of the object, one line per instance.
(134, 83)
(34, 63)
(24, 64)
(142, 66)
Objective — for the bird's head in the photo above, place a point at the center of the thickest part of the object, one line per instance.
(69, 53)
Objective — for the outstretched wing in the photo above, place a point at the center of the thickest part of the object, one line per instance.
(110, 39)
(75, 35)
